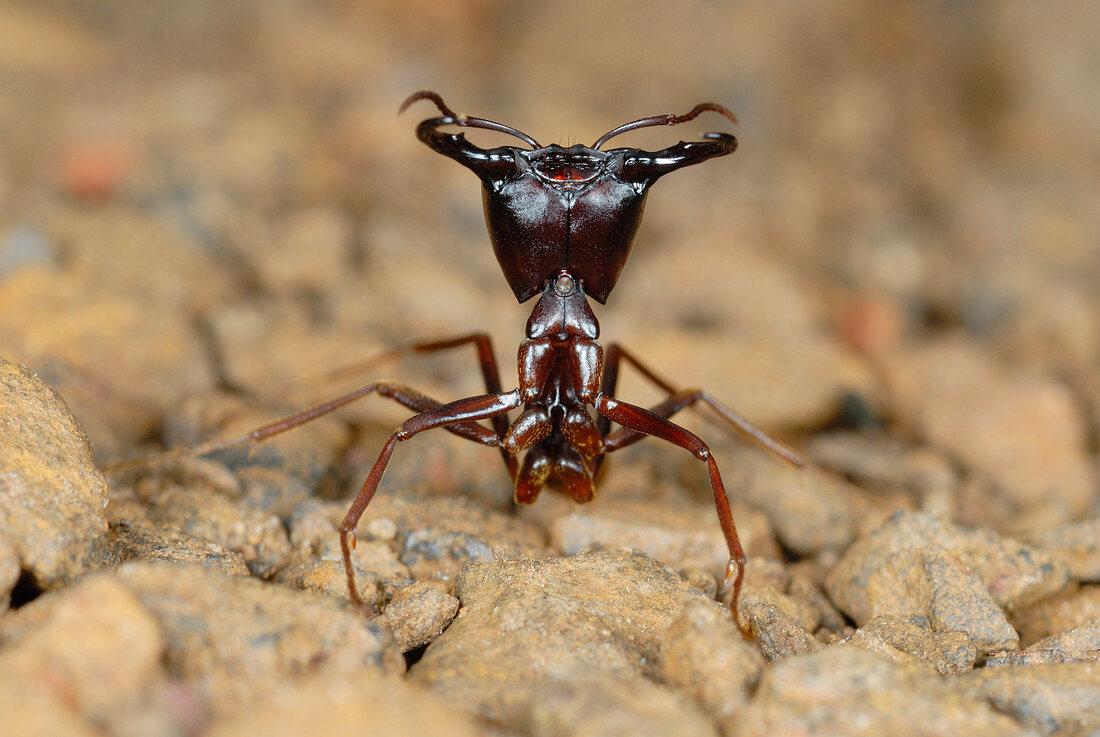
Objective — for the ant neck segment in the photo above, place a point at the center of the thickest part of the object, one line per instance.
(563, 312)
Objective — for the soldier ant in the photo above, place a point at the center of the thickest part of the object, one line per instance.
(562, 222)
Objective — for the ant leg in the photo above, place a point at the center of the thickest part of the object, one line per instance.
(678, 400)
(461, 414)
(400, 393)
(647, 422)
(689, 398)
(489, 372)
(486, 357)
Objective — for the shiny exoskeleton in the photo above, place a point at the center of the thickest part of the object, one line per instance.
(562, 222)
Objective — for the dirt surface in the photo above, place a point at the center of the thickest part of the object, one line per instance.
(207, 208)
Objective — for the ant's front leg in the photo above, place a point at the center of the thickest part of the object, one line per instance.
(461, 417)
(646, 422)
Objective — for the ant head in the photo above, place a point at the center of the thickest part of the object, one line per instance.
(578, 208)
(567, 167)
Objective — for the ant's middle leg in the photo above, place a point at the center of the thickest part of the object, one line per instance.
(490, 372)
(676, 401)
(400, 393)
(461, 417)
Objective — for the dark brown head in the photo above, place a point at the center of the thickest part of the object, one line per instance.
(550, 208)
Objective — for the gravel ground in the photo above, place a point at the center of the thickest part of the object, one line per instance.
(207, 208)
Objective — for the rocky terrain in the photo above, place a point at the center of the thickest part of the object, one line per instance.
(208, 210)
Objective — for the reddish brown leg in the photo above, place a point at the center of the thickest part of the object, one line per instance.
(678, 400)
(400, 393)
(460, 416)
(647, 422)
(688, 398)
(486, 358)
(489, 372)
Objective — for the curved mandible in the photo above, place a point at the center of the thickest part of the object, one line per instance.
(666, 119)
(647, 166)
(463, 121)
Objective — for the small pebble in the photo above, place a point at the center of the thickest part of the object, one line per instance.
(1057, 614)
(706, 657)
(777, 633)
(417, 614)
(354, 703)
(1076, 544)
(233, 638)
(686, 537)
(932, 583)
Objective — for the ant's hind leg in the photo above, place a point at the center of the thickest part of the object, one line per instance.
(676, 401)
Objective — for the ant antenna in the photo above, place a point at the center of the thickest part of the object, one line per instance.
(667, 119)
(466, 121)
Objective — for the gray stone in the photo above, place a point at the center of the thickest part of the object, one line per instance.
(1047, 698)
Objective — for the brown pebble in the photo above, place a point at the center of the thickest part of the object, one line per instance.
(846, 691)
(93, 646)
(126, 542)
(438, 535)
(1058, 613)
(702, 580)
(705, 656)
(1022, 433)
(1076, 544)
(777, 633)
(685, 537)
(1014, 574)
(585, 704)
(803, 589)
(418, 613)
(910, 640)
(329, 577)
(353, 703)
(931, 582)
(525, 623)
(1079, 644)
(233, 638)
(52, 496)
(258, 536)
(810, 511)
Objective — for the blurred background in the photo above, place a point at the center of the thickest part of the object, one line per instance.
(211, 197)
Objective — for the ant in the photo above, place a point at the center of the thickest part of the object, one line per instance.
(562, 222)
